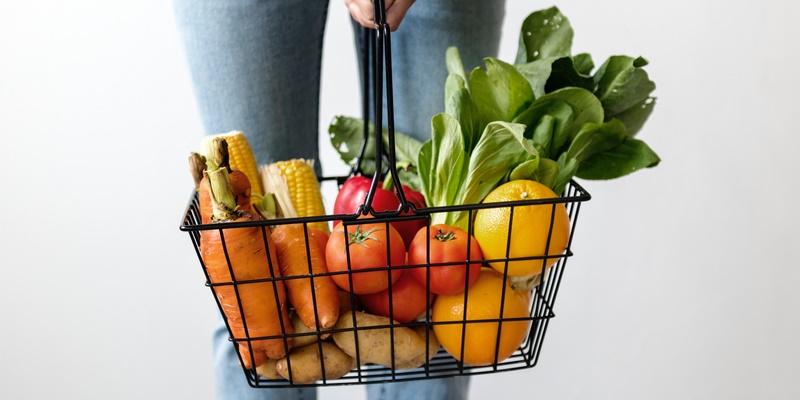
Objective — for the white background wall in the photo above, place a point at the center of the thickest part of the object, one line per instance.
(684, 280)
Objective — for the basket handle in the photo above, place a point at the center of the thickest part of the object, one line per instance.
(377, 54)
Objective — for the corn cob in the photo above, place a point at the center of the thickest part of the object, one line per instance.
(296, 188)
(241, 158)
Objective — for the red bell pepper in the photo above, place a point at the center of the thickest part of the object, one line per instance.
(354, 191)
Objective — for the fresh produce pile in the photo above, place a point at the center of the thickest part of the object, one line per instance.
(311, 296)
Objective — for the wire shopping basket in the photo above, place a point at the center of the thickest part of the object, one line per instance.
(378, 350)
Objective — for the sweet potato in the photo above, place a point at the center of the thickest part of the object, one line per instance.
(374, 345)
(307, 365)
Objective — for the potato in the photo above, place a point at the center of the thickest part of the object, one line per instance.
(375, 345)
(433, 348)
(306, 366)
(300, 328)
(269, 369)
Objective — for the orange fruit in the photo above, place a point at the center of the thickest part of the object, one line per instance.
(483, 302)
(529, 231)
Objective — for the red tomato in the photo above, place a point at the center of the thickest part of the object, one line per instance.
(448, 245)
(408, 300)
(354, 191)
(365, 244)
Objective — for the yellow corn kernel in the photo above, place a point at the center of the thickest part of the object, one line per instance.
(295, 182)
(241, 157)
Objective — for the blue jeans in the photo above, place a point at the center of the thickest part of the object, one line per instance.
(255, 67)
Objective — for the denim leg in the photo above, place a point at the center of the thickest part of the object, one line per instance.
(231, 382)
(255, 67)
(455, 388)
(418, 54)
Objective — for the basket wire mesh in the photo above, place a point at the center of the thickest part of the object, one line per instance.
(441, 364)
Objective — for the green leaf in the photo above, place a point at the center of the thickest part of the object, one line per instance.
(447, 160)
(596, 138)
(546, 75)
(583, 63)
(539, 169)
(424, 162)
(501, 147)
(547, 124)
(454, 64)
(547, 174)
(622, 83)
(564, 73)
(545, 33)
(536, 73)
(567, 167)
(500, 92)
(585, 108)
(632, 155)
(525, 170)
(347, 134)
(459, 104)
(635, 117)
(406, 148)
(410, 179)
(543, 133)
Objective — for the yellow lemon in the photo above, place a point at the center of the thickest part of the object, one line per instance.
(532, 227)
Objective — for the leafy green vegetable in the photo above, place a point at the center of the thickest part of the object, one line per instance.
(544, 34)
(451, 176)
(501, 147)
(454, 64)
(500, 92)
(537, 72)
(347, 135)
(547, 117)
(622, 85)
(447, 161)
(459, 104)
(564, 73)
(585, 106)
(630, 156)
(596, 138)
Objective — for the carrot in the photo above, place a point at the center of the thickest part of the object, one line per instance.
(295, 261)
(260, 306)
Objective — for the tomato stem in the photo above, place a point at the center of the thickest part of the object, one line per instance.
(359, 236)
(443, 236)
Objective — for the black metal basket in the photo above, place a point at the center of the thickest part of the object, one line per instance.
(440, 363)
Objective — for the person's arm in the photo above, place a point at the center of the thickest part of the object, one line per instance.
(363, 12)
